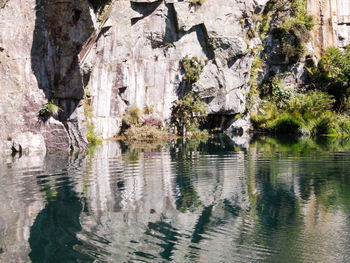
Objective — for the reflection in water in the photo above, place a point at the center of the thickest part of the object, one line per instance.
(53, 234)
(201, 201)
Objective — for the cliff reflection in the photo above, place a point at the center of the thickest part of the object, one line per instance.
(53, 235)
(200, 201)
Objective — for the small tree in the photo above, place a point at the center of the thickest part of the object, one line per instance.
(187, 114)
(193, 68)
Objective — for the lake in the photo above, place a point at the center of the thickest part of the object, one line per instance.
(272, 200)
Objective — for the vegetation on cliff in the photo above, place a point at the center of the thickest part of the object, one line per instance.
(192, 68)
(187, 115)
(49, 109)
(317, 108)
(309, 113)
(317, 111)
(92, 136)
(290, 23)
(143, 125)
(332, 75)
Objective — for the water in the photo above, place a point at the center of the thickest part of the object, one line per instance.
(202, 201)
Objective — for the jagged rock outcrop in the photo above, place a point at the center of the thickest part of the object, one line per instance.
(137, 58)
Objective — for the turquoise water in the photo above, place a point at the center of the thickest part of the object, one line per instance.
(274, 200)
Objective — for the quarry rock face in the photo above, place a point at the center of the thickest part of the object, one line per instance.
(129, 53)
(136, 60)
(332, 24)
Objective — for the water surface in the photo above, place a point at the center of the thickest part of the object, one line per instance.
(275, 200)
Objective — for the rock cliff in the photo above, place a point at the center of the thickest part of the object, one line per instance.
(117, 54)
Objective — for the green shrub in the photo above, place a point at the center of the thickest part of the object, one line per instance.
(133, 116)
(92, 137)
(193, 68)
(305, 114)
(267, 112)
(333, 75)
(49, 109)
(311, 104)
(187, 114)
(287, 124)
(280, 94)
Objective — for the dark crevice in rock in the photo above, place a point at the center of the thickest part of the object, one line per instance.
(171, 29)
(202, 36)
(145, 9)
(76, 13)
(86, 77)
(208, 48)
(103, 31)
(233, 60)
(121, 90)
(218, 123)
(98, 5)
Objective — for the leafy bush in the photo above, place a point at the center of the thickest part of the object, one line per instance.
(49, 109)
(287, 124)
(311, 104)
(193, 68)
(92, 137)
(187, 114)
(140, 127)
(304, 114)
(280, 94)
(133, 116)
(333, 75)
(268, 111)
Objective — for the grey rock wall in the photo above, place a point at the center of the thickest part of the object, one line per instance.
(137, 59)
(134, 59)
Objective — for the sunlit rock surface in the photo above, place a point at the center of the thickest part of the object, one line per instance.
(129, 54)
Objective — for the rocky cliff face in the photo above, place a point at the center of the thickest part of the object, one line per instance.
(136, 61)
(129, 53)
(38, 62)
